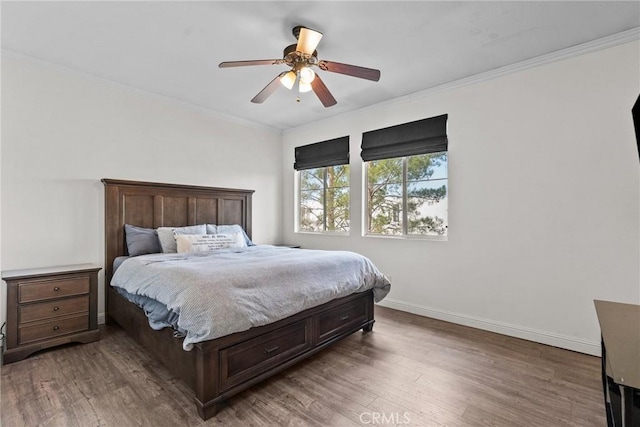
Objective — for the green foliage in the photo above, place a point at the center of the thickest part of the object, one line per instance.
(324, 196)
(385, 194)
(324, 199)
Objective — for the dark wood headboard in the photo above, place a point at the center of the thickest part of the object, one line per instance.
(153, 205)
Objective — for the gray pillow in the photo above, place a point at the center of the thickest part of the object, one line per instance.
(235, 228)
(141, 241)
(167, 236)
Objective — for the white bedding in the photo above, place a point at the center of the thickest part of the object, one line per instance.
(216, 293)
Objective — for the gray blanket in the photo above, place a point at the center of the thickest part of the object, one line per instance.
(216, 293)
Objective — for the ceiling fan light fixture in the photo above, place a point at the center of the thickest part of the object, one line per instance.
(304, 87)
(308, 40)
(307, 75)
(288, 80)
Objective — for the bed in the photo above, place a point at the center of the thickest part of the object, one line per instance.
(219, 368)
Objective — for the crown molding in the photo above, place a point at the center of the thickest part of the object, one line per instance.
(570, 52)
(10, 54)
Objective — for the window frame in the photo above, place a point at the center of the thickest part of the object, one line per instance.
(405, 216)
(298, 190)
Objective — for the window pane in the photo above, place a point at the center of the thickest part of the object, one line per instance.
(427, 166)
(427, 194)
(385, 211)
(312, 199)
(427, 207)
(385, 172)
(312, 179)
(384, 196)
(337, 208)
(324, 199)
(435, 163)
(311, 210)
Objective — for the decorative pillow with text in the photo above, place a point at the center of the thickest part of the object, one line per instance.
(209, 242)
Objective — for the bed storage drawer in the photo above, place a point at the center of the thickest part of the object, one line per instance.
(250, 358)
(335, 321)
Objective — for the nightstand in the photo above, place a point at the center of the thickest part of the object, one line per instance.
(50, 306)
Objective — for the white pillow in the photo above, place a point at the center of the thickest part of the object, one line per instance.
(167, 235)
(208, 242)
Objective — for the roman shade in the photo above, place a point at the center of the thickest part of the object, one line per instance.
(408, 139)
(635, 112)
(326, 153)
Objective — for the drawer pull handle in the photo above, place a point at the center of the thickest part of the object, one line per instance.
(345, 317)
(55, 328)
(271, 350)
(56, 289)
(56, 308)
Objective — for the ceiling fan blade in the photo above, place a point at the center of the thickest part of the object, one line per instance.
(322, 92)
(350, 70)
(268, 89)
(308, 40)
(247, 63)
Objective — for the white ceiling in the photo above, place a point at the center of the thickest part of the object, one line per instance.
(173, 48)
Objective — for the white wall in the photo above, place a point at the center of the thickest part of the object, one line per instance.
(544, 186)
(543, 206)
(62, 133)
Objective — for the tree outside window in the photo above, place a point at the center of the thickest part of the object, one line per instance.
(407, 195)
(324, 199)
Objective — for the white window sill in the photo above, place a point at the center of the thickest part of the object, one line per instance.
(324, 233)
(425, 238)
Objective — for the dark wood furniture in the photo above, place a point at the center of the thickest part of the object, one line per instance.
(620, 331)
(50, 306)
(220, 368)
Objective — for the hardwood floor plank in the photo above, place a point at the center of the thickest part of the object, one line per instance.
(431, 372)
(345, 404)
(478, 416)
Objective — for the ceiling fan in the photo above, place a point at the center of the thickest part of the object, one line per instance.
(301, 57)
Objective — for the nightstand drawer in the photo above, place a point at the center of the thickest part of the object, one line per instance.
(47, 289)
(57, 308)
(55, 328)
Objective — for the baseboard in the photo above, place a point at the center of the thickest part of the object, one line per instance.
(548, 338)
(556, 340)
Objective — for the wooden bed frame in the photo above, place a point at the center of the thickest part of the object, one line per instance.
(220, 368)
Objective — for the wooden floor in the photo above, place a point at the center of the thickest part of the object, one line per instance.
(410, 370)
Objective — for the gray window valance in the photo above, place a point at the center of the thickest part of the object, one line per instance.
(408, 139)
(326, 153)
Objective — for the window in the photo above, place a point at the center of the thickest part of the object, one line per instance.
(407, 195)
(406, 178)
(324, 182)
(324, 199)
